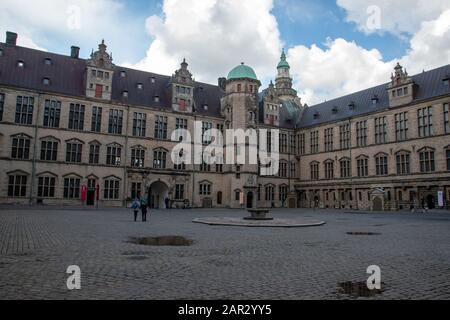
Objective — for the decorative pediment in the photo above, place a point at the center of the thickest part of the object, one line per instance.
(21, 135)
(205, 182)
(50, 138)
(17, 172)
(112, 177)
(381, 154)
(402, 151)
(72, 175)
(426, 149)
(74, 140)
(47, 173)
(96, 142)
(92, 176)
(362, 156)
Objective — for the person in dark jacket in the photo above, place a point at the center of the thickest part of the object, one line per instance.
(144, 209)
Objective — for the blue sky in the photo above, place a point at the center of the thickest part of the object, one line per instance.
(329, 45)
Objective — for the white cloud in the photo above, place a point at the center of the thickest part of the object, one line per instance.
(47, 23)
(398, 17)
(342, 67)
(430, 46)
(214, 36)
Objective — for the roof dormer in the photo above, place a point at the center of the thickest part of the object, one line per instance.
(99, 75)
(401, 88)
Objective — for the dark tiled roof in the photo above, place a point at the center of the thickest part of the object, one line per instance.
(67, 77)
(428, 85)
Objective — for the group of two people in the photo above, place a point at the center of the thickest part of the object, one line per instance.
(140, 203)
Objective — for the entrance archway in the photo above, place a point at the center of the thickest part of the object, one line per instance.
(158, 192)
(377, 204)
(250, 200)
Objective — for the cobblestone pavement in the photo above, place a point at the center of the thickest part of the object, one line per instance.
(37, 246)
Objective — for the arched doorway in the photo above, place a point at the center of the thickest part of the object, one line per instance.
(158, 192)
(430, 202)
(250, 200)
(377, 204)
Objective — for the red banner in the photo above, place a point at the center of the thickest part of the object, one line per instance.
(83, 193)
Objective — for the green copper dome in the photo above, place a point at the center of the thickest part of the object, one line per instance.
(242, 71)
(283, 62)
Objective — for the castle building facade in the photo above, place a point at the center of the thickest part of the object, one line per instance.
(89, 132)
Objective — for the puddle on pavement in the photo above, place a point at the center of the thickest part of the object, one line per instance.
(358, 289)
(364, 233)
(173, 241)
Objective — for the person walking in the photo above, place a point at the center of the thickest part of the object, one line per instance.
(135, 206)
(144, 209)
(167, 202)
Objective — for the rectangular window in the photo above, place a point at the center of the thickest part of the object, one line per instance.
(314, 141)
(381, 165)
(345, 168)
(329, 137)
(179, 192)
(159, 159)
(46, 187)
(425, 121)
(98, 90)
(380, 130)
(139, 124)
(283, 143)
(96, 121)
(283, 193)
(73, 152)
(20, 148)
(361, 133)
(2, 105)
(94, 153)
(49, 150)
(427, 163)
(180, 124)
(301, 144)
(52, 113)
(363, 167)
(205, 189)
(448, 159)
(17, 186)
(76, 116)
(293, 144)
(113, 155)
(115, 121)
(270, 193)
(401, 126)
(207, 138)
(293, 170)
(111, 190)
(446, 120)
(137, 157)
(344, 136)
(283, 169)
(24, 110)
(314, 171)
(136, 189)
(403, 166)
(161, 127)
(72, 188)
(329, 170)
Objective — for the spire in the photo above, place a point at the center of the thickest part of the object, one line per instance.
(283, 62)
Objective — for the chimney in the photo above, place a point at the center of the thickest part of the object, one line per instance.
(11, 38)
(222, 82)
(75, 52)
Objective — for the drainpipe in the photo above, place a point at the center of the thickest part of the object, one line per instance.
(33, 161)
(125, 175)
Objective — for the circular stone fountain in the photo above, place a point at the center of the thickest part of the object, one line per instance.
(260, 218)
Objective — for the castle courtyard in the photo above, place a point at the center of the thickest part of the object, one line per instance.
(38, 244)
